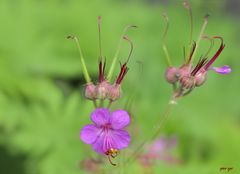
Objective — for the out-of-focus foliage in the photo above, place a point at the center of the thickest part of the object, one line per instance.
(41, 104)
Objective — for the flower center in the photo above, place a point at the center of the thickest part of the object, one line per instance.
(106, 127)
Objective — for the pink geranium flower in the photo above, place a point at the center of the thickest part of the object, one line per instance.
(107, 135)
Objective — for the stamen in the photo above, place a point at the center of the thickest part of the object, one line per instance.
(123, 72)
(131, 47)
(109, 159)
(99, 38)
(101, 71)
(110, 73)
(85, 71)
(188, 7)
(167, 56)
(112, 153)
(124, 68)
(211, 44)
(216, 54)
(200, 64)
(191, 53)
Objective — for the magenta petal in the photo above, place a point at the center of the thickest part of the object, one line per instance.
(89, 133)
(98, 144)
(222, 70)
(120, 138)
(119, 119)
(116, 139)
(109, 142)
(105, 142)
(100, 116)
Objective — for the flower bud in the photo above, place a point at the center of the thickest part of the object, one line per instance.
(187, 82)
(103, 90)
(114, 92)
(184, 71)
(171, 75)
(90, 91)
(200, 77)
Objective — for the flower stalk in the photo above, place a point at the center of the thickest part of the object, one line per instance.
(112, 67)
(201, 34)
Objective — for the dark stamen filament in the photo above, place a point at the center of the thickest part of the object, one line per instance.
(123, 72)
(101, 71)
(191, 53)
(201, 63)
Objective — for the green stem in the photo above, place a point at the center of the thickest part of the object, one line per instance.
(95, 103)
(101, 104)
(168, 60)
(109, 104)
(200, 35)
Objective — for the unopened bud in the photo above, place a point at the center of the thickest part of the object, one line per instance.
(103, 90)
(90, 91)
(200, 77)
(114, 92)
(172, 75)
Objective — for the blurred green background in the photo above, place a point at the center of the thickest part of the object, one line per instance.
(42, 108)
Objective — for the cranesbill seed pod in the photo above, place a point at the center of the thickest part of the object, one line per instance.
(200, 77)
(90, 91)
(114, 92)
(103, 90)
(172, 75)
